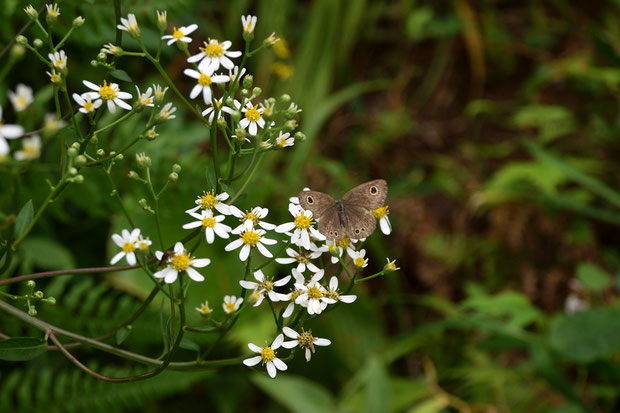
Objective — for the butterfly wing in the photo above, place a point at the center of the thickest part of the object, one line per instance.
(360, 221)
(315, 202)
(330, 225)
(370, 195)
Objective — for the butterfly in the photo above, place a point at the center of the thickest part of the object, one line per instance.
(350, 216)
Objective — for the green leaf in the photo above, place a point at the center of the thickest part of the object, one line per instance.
(22, 348)
(587, 336)
(48, 254)
(377, 386)
(188, 344)
(24, 218)
(296, 393)
(551, 121)
(120, 75)
(122, 334)
(593, 277)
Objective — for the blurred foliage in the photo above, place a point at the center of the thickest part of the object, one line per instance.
(496, 125)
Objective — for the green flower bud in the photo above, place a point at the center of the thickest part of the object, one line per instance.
(36, 43)
(38, 294)
(300, 136)
(94, 140)
(290, 125)
(285, 99)
(245, 93)
(72, 171)
(78, 21)
(176, 168)
(17, 51)
(144, 161)
(173, 177)
(94, 63)
(72, 152)
(248, 81)
(100, 153)
(221, 123)
(235, 116)
(256, 91)
(78, 179)
(133, 175)
(101, 57)
(31, 12)
(50, 300)
(32, 312)
(119, 157)
(21, 40)
(80, 160)
(31, 284)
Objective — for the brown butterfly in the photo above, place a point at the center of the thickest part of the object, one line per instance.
(352, 215)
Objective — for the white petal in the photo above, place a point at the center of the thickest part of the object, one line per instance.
(271, 369)
(233, 245)
(280, 365)
(117, 257)
(322, 342)
(282, 282)
(277, 342)
(248, 284)
(171, 276)
(194, 275)
(290, 332)
(290, 344)
(91, 85)
(245, 252)
(263, 250)
(201, 262)
(191, 225)
(195, 91)
(348, 298)
(253, 128)
(252, 361)
(131, 258)
(285, 227)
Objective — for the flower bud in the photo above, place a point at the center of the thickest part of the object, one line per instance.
(299, 136)
(235, 116)
(78, 21)
(72, 152)
(100, 153)
(36, 43)
(119, 157)
(142, 202)
(245, 93)
(94, 140)
(176, 168)
(290, 125)
(17, 51)
(94, 63)
(133, 175)
(151, 134)
(31, 12)
(101, 57)
(80, 160)
(52, 14)
(162, 20)
(285, 99)
(21, 40)
(72, 171)
(248, 81)
(221, 123)
(32, 312)
(144, 161)
(31, 284)
(240, 133)
(173, 177)
(38, 294)
(256, 91)
(78, 179)
(50, 300)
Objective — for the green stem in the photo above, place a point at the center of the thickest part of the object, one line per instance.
(68, 100)
(288, 244)
(107, 158)
(64, 39)
(156, 200)
(117, 16)
(247, 181)
(370, 277)
(117, 121)
(118, 197)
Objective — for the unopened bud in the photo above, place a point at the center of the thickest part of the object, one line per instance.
(80, 160)
(176, 168)
(78, 179)
(248, 81)
(32, 311)
(36, 43)
(100, 153)
(21, 40)
(38, 294)
(72, 152)
(119, 157)
(245, 93)
(221, 123)
(50, 300)
(17, 51)
(101, 57)
(94, 140)
(256, 92)
(31, 12)
(133, 175)
(72, 171)
(78, 21)
(285, 99)
(173, 177)
(290, 125)
(144, 161)
(162, 20)
(31, 284)
(235, 116)
(94, 63)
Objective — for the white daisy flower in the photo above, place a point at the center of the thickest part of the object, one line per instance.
(302, 258)
(248, 23)
(333, 292)
(390, 266)
(21, 98)
(112, 49)
(146, 98)
(234, 73)
(231, 303)
(166, 113)
(303, 227)
(304, 340)
(31, 149)
(384, 222)
(255, 217)
(211, 110)
(204, 80)
(52, 10)
(128, 242)
(180, 34)
(358, 258)
(283, 140)
(180, 261)
(204, 309)
(313, 295)
(264, 286)
(267, 357)
(130, 25)
(86, 104)
(252, 119)
(109, 93)
(214, 54)
(249, 239)
(208, 200)
(144, 243)
(51, 124)
(8, 132)
(55, 77)
(59, 60)
(211, 224)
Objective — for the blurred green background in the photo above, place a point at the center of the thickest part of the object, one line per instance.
(494, 122)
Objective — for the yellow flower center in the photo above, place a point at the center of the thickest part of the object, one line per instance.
(255, 295)
(143, 246)
(303, 222)
(251, 216)
(266, 285)
(204, 308)
(315, 292)
(106, 92)
(295, 294)
(207, 200)
(180, 262)
(381, 212)
(213, 50)
(267, 355)
(177, 34)
(145, 100)
(252, 114)
(204, 80)
(21, 102)
(208, 222)
(230, 307)
(59, 64)
(391, 266)
(218, 103)
(129, 246)
(305, 339)
(333, 294)
(88, 106)
(359, 262)
(344, 242)
(55, 78)
(250, 238)
(333, 249)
